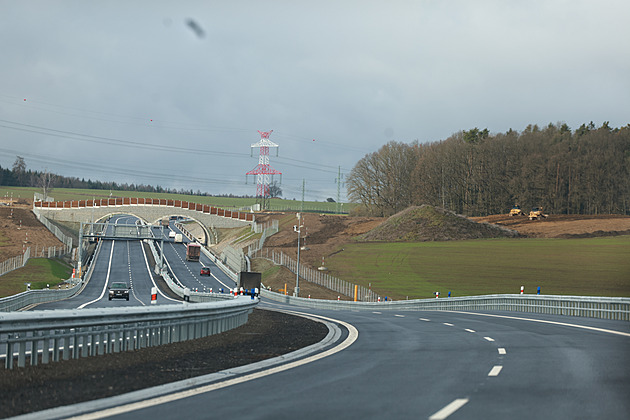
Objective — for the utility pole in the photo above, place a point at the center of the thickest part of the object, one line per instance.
(303, 187)
(338, 191)
(298, 228)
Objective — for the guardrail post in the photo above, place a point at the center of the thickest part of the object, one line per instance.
(34, 346)
(66, 347)
(55, 348)
(8, 362)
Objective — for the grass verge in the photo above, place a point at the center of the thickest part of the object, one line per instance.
(39, 272)
(582, 267)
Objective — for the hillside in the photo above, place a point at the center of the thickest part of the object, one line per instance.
(428, 223)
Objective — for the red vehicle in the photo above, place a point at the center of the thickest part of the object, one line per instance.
(205, 271)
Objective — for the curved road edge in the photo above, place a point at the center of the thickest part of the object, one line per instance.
(194, 386)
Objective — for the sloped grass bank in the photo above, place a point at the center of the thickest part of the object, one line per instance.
(39, 272)
(584, 267)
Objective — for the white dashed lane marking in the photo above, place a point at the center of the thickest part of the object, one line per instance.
(400, 316)
(469, 330)
(449, 409)
(489, 339)
(501, 350)
(447, 324)
(424, 319)
(495, 371)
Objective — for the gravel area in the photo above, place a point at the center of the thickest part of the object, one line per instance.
(267, 334)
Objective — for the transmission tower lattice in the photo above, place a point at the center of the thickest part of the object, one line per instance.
(263, 170)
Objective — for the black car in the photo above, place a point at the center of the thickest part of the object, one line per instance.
(119, 290)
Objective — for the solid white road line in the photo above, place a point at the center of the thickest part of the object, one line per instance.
(501, 350)
(449, 409)
(489, 339)
(353, 334)
(543, 321)
(495, 371)
(469, 330)
(109, 269)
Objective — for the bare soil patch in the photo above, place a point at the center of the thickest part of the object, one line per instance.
(20, 228)
(563, 225)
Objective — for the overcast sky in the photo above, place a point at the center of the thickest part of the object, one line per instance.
(173, 93)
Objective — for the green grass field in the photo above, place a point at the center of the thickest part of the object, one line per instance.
(63, 194)
(39, 272)
(584, 267)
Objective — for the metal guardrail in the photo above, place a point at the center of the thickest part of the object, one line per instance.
(45, 336)
(583, 306)
(32, 297)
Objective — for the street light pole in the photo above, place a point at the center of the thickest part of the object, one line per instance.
(297, 228)
(162, 251)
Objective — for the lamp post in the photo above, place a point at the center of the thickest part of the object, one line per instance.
(297, 228)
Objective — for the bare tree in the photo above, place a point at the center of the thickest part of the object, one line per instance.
(275, 190)
(46, 183)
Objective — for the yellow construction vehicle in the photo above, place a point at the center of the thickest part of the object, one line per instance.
(516, 211)
(537, 213)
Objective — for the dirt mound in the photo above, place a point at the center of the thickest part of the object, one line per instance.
(428, 223)
(322, 234)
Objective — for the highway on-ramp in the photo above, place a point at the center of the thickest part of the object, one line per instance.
(434, 365)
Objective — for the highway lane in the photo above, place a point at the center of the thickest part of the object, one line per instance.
(118, 260)
(186, 272)
(437, 365)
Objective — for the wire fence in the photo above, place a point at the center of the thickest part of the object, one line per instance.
(15, 262)
(65, 239)
(318, 277)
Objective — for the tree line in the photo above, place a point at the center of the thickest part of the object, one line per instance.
(19, 176)
(473, 172)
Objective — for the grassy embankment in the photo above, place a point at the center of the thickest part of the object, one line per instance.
(584, 267)
(39, 272)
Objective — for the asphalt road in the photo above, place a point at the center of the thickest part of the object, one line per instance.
(186, 272)
(117, 260)
(432, 365)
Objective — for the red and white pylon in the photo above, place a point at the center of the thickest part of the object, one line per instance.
(263, 170)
